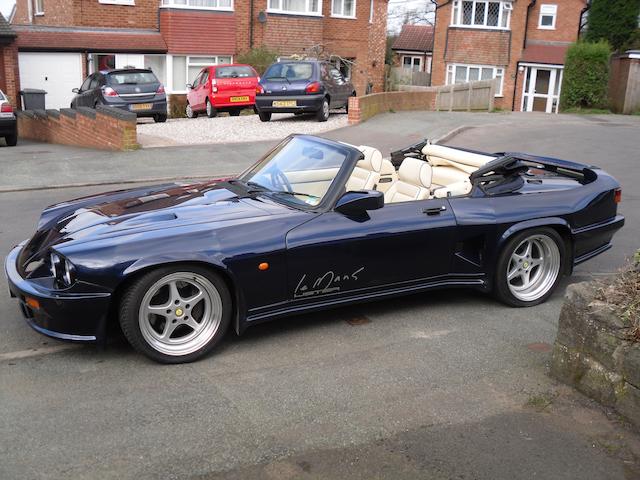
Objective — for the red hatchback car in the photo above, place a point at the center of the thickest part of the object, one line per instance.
(222, 88)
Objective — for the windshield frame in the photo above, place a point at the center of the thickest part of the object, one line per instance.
(335, 190)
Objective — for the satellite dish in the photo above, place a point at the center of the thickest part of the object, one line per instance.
(262, 17)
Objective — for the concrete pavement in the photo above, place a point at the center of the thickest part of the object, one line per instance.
(439, 386)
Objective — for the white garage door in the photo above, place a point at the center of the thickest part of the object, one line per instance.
(56, 73)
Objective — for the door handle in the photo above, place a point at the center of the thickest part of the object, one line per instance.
(434, 210)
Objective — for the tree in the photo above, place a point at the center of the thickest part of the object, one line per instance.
(258, 57)
(615, 21)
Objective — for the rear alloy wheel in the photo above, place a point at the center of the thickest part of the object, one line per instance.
(12, 140)
(176, 314)
(235, 113)
(159, 118)
(264, 116)
(211, 111)
(323, 113)
(530, 267)
(190, 113)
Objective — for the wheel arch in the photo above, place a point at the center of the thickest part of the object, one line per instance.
(140, 268)
(560, 225)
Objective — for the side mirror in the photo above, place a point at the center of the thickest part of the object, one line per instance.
(76, 90)
(189, 86)
(356, 203)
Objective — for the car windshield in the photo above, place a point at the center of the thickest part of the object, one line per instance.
(235, 72)
(124, 78)
(299, 171)
(289, 71)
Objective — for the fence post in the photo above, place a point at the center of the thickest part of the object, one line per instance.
(492, 94)
(451, 97)
(469, 92)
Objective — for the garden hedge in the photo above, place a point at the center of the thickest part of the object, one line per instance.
(586, 74)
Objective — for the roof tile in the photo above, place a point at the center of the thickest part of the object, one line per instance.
(417, 38)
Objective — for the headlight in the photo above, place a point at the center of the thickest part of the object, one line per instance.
(62, 270)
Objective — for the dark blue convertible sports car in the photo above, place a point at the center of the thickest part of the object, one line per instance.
(314, 224)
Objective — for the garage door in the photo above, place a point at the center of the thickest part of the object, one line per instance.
(56, 73)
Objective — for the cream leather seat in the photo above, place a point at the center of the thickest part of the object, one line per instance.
(452, 166)
(366, 174)
(414, 181)
(453, 189)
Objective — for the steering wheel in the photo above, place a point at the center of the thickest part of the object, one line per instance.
(284, 181)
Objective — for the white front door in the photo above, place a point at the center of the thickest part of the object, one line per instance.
(54, 72)
(542, 89)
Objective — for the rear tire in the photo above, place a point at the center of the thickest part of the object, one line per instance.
(264, 116)
(12, 140)
(176, 314)
(323, 113)
(211, 111)
(159, 118)
(190, 113)
(530, 267)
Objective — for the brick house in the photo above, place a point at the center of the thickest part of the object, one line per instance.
(522, 43)
(61, 41)
(413, 48)
(9, 81)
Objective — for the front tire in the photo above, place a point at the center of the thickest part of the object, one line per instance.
(176, 314)
(530, 267)
(159, 118)
(211, 111)
(190, 113)
(323, 113)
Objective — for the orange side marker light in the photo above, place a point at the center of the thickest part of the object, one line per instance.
(263, 266)
(33, 303)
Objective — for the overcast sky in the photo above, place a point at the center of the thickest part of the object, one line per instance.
(395, 7)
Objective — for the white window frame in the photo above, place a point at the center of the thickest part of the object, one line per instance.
(306, 13)
(548, 10)
(413, 57)
(38, 8)
(342, 15)
(173, 4)
(506, 8)
(498, 72)
(371, 12)
(190, 61)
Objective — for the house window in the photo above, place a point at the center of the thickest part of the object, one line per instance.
(470, 73)
(185, 69)
(39, 7)
(481, 14)
(296, 7)
(117, 2)
(413, 63)
(344, 65)
(199, 4)
(371, 12)
(343, 8)
(548, 17)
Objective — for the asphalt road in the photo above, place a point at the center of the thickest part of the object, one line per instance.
(440, 386)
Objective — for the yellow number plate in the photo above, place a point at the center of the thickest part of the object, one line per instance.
(284, 103)
(239, 99)
(141, 106)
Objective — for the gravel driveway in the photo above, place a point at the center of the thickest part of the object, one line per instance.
(225, 129)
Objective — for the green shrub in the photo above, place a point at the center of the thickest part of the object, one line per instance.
(586, 74)
(614, 21)
(177, 105)
(259, 58)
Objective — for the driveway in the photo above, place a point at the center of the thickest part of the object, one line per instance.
(225, 129)
(444, 385)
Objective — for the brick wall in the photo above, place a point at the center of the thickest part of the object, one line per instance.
(198, 32)
(567, 22)
(365, 107)
(105, 128)
(483, 47)
(9, 76)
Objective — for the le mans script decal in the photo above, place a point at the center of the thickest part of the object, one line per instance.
(328, 282)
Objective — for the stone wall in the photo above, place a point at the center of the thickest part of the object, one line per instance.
(106, 128)
(593, 353)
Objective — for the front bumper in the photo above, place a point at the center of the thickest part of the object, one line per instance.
(62, 314)
(304, 103)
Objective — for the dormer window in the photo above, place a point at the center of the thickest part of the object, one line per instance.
(548, 17)
(481, 14)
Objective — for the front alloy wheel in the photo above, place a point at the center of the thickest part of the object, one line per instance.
(530, 267)
(189, 112)
(176, 314)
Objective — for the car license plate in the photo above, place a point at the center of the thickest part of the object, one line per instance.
(239, 99)
(284, 103)
(141, 106)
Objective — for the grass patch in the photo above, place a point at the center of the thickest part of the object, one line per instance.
(622, 295)
(588, 111)
(539, 402)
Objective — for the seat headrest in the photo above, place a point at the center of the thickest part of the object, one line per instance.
(436, 153)
(415, 172)
(372, 158)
